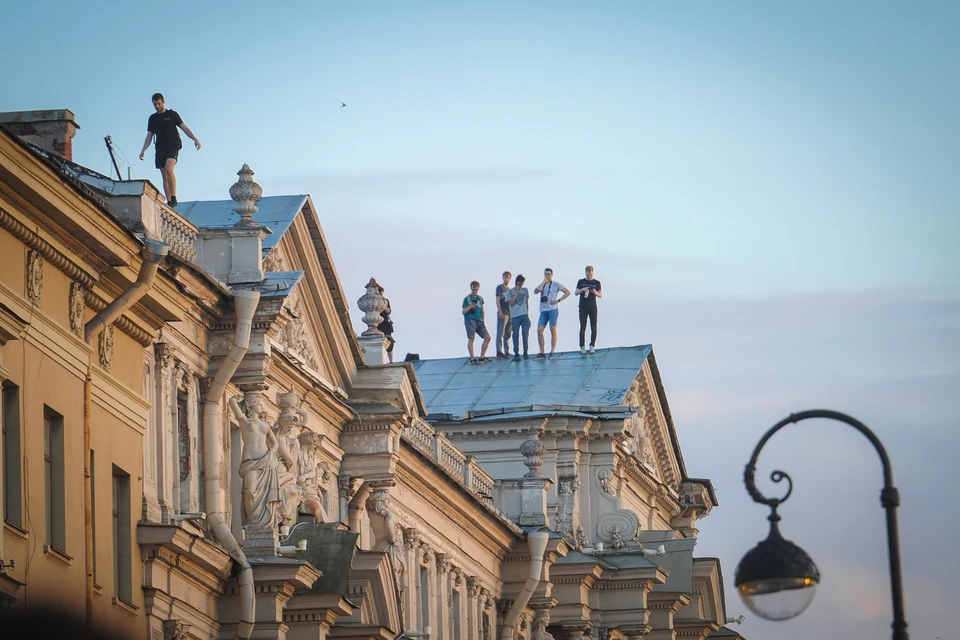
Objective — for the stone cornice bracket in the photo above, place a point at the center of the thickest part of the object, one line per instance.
(443, 563)
(577, 631)
(372, 303)
(245, 192)
(176, 630)
(473, 587)
(411, 537)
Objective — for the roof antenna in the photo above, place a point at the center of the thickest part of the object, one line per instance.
(109, 141)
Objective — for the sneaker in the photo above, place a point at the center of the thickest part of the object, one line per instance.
(592, 349)
(540, 356)
(503, 356)
(552, 356)
(526, 357)
(474, 361)
(173, 201)
(583, 351)
(516, 357)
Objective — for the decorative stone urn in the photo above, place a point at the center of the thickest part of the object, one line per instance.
(533, 450)
(372, 303)
(245, 192)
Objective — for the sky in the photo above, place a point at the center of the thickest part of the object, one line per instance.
(768, 193)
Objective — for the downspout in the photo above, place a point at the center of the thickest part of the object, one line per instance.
(153, 254)
(245, 304)
(538, 546)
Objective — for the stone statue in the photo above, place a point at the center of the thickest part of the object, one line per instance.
(287, 429)
(259, 469)
(309, 477)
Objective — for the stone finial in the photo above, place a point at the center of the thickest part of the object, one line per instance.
(372, 303)
(245, 192)
(533, 449)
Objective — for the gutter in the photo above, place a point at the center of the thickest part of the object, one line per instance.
(538, 546)
(153, 254)
(245, 304)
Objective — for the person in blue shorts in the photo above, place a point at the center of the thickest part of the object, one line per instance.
(473, 317)
(548, 290)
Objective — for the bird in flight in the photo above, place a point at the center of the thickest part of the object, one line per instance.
(343, 104)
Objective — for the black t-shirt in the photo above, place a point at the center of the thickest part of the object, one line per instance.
(387, 325)
(585, 300)
(164, 126)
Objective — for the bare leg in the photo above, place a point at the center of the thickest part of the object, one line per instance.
(553, 340)
(470, 347)
(483, 349)
(540, 337)
(169, 179)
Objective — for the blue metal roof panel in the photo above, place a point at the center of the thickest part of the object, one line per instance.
(274, 212)
(600, 379)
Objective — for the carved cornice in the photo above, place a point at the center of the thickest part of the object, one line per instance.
(660, 440)
(87, 256)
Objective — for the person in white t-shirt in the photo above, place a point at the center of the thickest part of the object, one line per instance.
(548, 290)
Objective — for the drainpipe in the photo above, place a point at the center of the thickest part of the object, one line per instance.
(538, 545)
(245, 304)
(153, 254)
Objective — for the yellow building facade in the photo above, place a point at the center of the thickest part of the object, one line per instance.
(147, 356)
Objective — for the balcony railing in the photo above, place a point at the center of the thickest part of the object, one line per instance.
(179, 234)
(462, 467)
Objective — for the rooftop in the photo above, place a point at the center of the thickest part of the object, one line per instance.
(454, 389)
(274, 212)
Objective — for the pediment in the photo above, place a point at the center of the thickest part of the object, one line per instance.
(649, 433)
(318, 333)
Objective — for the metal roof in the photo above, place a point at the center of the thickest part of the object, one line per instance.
(454, 389)
(273, 212)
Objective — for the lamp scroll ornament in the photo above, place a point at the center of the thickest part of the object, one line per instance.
(245, 192)
(777, 579)
(372, 303)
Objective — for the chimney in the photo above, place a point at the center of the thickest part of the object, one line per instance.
(50, 129)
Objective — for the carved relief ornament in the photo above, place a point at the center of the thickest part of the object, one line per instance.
(105, 347)
(78, 308)
(34, 275)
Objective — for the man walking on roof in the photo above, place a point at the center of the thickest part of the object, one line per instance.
(473, 316)
(549, 290)
(162, 125)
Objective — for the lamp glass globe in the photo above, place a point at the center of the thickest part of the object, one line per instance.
(778, 598)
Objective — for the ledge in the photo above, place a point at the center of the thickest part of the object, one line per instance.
(97, 590)
(57, 555)
(129, 609)
(16, 531)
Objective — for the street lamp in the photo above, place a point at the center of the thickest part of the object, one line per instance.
(777, 579)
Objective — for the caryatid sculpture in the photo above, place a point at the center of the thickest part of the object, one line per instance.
(310, 477)
(287, 428)
(259, 466)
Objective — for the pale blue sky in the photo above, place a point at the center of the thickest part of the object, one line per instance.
(769, 194)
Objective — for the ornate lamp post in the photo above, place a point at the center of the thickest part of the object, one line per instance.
(777, 579)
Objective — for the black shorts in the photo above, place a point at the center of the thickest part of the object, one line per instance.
(164, 155)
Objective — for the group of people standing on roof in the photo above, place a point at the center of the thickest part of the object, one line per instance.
(513, 315)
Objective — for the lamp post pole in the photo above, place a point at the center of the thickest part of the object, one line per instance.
(889, 499)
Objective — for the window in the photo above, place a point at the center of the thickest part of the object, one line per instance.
(12, 476)
(424, 598)
(456, 615)
(122, 580)
(53, 478)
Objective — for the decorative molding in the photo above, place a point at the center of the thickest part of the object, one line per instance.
(50, 253)
(176, 630)
(105, 347)
(97, 304)
(34, 271)
(614, 528)
(78, 308)
(372, 303)
(245, 192)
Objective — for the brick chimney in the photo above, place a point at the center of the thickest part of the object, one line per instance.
(50, 129)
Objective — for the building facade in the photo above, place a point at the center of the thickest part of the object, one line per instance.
(197, 445)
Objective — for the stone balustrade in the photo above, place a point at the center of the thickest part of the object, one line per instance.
(460, 466)
(179, 234)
